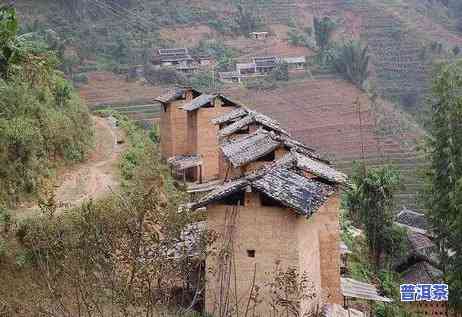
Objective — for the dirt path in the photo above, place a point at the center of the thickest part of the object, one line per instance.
(91, 179)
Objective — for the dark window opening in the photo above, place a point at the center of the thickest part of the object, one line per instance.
(251, 253)
(268, 157)
(227, 103)
(209, 105)
(322, 180)
(236, 199)
(195, 94)
(267, 201)
(243, 131)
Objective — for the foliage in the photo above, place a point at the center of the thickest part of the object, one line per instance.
(303, 37)
(164, 75)
(246, 20)
(280, 72)
(41, 119)
(204, 80)
(119, 256)
(443, 190)
(225, 56)
(388, 282)
(352, 61)
(323, 29)
(287, 290)
(371, 201)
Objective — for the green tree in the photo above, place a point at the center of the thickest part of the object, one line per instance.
(371, 199)
(246, 20)
(281, 72)
(444, 180)
(353, 62)
(323, 32)
(8, 30)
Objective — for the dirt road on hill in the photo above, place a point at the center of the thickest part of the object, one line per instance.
(91, 179)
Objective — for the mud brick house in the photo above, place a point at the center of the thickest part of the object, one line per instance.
(188, 137)
(181, 60)
(173, 121)
(279, 204)
(262, 66)
(202, 133)
(280, 216)
(245, 121)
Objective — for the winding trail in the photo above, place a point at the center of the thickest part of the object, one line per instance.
(91, 179)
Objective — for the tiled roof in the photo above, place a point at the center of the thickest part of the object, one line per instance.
(231, 116)
(422, 272)
(265, 62)
(320, 169)
(170, 51)
(171, 95)
(250, 118)
(220, 192)
(182, 162)
(198, 102)
(294, 60)
(412, 219)
(249, 148)
(356, 289)
(236, 126)
(418, 242)
(301, 194)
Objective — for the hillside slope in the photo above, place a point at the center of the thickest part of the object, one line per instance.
(324, 113)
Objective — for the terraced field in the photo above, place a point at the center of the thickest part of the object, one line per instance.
(105, 88)
(322, 113)
(109, 91)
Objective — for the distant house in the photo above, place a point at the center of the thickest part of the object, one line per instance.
(258, 35)
(181, 60)
(424, 273)
(295, 63)
(261, 66)
(266, 64)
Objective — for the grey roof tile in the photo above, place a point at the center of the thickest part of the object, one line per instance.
(231, 116)
(198, 102)
(422, 272)
(171, 95)
(302, 194)
(182, 162)
(412, 219)
(320, 169)
(249, 148)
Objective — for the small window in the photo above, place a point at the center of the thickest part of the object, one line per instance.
(267, 201)
(251, 253)
(236, 199)
(268, 157)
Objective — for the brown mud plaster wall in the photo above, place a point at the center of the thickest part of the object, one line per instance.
(203, 137)
(173, 139)
(276, 235)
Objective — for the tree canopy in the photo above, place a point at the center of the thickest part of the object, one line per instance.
(443, 192)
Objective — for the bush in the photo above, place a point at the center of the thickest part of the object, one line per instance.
(80, 78)
(169, 76)
(352, 61)
(281, 72)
